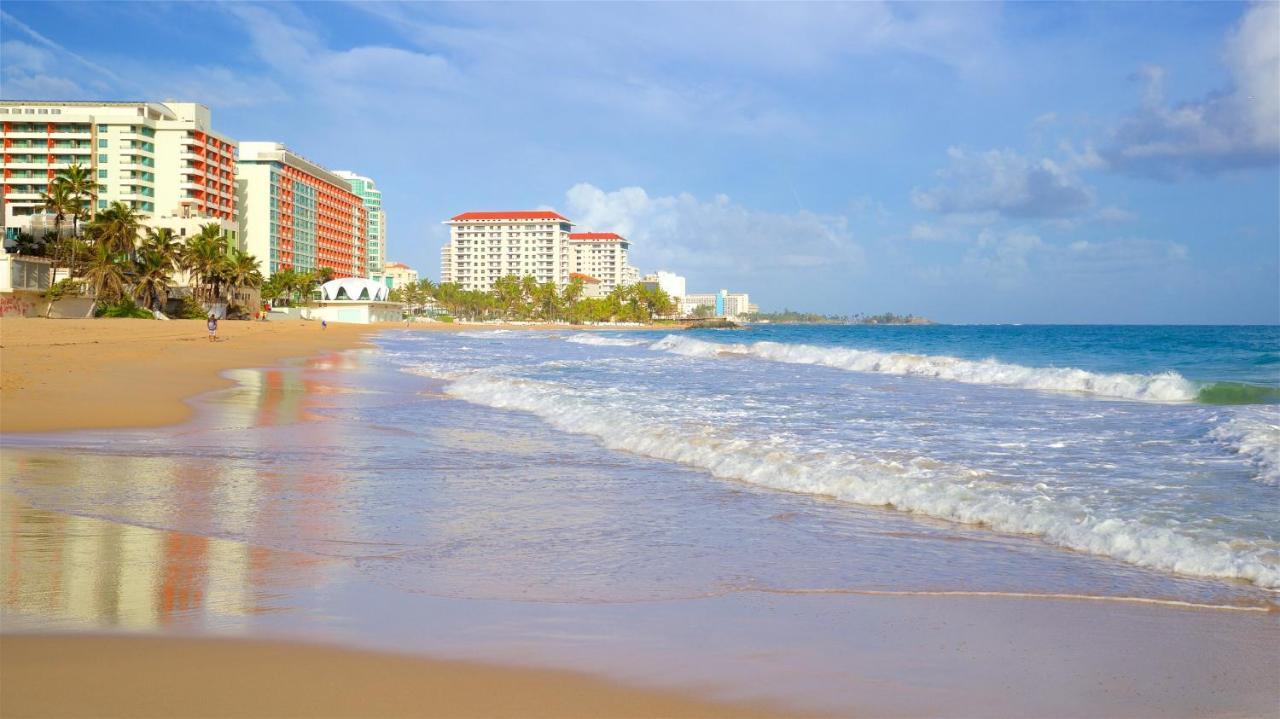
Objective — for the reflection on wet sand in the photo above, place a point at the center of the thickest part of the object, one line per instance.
(68, 569)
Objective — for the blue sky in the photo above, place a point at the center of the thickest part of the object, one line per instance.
(1026, 162)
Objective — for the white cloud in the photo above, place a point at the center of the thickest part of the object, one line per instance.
(1006, 182)
(1235, 128)
(708, 239)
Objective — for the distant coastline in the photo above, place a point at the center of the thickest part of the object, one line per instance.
(790, 317)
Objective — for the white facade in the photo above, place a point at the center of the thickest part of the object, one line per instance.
(158, 158)
(602, 255)
(484, 246)
(376, 246)
(669, 282)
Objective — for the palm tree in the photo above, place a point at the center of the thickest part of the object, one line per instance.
(57, 201)
(162, 242)
(152, 279)
(105, 274)
(203, 257)
(80, 187)
(117, 228)
(242, 272)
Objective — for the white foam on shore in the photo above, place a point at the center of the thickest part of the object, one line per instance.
(920, 485)
(600, 341)
(1163, 387)
(1254, 434)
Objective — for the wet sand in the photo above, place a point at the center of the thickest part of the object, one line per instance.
(115, 676)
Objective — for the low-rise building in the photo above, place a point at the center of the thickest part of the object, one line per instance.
(602, 255)
(354, 300)
(592, 288)
(722, 303)
(397, 274)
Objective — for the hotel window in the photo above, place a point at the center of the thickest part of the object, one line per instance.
(102, 204)
(102, 128)
(102, 173)
(102, 159)
(102, 143)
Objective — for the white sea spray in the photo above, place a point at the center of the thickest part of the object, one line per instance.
(920, 485)
(1161, 387)
(602, 341)
(1254, 434)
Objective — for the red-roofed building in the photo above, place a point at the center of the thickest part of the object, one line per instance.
(590, 285)
(486, 245)
(603, 255)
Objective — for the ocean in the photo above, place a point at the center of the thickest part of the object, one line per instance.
(1155, 447)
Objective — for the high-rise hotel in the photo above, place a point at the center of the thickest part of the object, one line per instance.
(161, 159)
(295, 214)
(484, 246)
(376, 239)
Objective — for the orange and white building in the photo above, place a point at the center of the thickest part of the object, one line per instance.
(158, 158)
(295, 214)
(484, 246)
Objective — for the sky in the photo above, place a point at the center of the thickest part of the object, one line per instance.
(1022, 162)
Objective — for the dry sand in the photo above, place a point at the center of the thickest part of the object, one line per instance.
(112, 676)
(97, 374)
(60, 375)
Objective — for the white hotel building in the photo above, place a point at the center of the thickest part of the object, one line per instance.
(484, 246)
(161, 159)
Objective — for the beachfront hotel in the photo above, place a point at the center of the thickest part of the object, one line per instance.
(602, 255)
(723, 303)
(484, 246)
(376, 239)
(397, 274)
(295, 214)
(161, 159)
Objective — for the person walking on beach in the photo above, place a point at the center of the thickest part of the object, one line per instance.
(324, 324)
(213, 328)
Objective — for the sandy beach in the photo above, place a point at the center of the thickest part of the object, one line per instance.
(59, 375)
(263, 568)
(100, 374)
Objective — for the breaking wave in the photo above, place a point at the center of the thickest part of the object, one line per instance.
(920, 485)
(1163, 387)
(589, 339)
(1255, 437)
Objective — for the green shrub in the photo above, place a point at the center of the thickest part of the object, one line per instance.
(191, 309)
(123, 308)
(445, 318)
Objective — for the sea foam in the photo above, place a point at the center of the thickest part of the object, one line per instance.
(600, 341)
(1255, 436)
(919, 485)
(1162, 387)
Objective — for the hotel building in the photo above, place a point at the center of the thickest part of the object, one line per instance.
(484, 246)
(602, 255)
(158, 158)
(376, 239)
(295, 214)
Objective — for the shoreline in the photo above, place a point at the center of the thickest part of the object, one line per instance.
(53, 373)
(174, 676)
